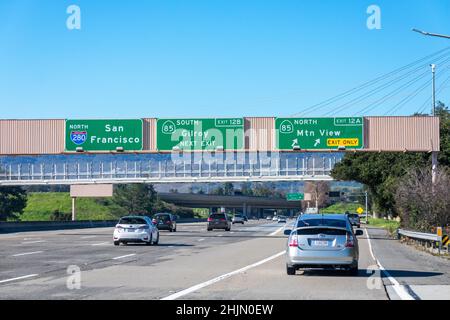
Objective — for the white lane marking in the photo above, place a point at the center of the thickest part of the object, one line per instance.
(88, 237)
(231, 231)
(220, 235)
(200, 239)
(25, 239)
(26, 253)
(19, 278)
(219, 278)
(125, 256)
(99, 244)
(276, 231)
(29, 242)
(398, 288)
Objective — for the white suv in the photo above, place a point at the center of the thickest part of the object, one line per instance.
(135, 229)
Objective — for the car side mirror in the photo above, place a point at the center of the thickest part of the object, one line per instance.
(287, 232)
(359, 232)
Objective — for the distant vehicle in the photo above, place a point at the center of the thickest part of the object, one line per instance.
(311, 211)
(165, 221)
(354, 219)
(135, 229)
(275, 218)
(322, 241)
(282, 219)
(219, 221)
(238, 218)
(269, 218)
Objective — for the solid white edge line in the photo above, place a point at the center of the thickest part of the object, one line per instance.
(19, 278)
(26, 253)
(125, 256)
(219, 278)
(398, 288)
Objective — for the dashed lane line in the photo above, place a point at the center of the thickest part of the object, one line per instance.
(219, 278)
(26, 253)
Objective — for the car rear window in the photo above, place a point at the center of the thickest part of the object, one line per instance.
(313, 231)
(217, 216)
(162, 217)
(132, 221)
(322, 222)
(353, 215)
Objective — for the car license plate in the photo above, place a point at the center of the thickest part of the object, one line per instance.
(216, 222)
(130, 230)
(320, 243)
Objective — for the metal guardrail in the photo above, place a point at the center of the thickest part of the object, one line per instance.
(419, 235)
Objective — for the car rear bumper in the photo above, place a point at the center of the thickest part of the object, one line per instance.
(220, 225)
(131, 237)
(297, 257)
(164, 226)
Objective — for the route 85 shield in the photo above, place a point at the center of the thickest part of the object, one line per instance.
(78, 137)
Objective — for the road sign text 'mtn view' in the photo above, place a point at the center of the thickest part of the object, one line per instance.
(319, 133)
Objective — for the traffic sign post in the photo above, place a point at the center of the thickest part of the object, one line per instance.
(103, 135)
(200, 134)
(319, 133)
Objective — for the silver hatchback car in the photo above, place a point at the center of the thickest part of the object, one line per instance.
(135, 229)
(322, 241)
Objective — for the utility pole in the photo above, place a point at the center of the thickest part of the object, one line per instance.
(367, 208)
(434, 159)
(433, 88)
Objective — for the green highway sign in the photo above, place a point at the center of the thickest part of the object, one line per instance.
(200, 134)
(319, 133)
(295, 196)
(104, 135)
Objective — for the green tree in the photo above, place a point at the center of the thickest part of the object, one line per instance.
(12, 202)
(138, 199)
(228, 189)
(381, 172)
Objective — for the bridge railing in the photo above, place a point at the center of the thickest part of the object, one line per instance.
(279, 169)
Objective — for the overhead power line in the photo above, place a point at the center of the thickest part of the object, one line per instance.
(373, 82)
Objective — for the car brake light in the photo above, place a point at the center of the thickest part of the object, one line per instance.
(222, 219)
(209, 219)
(293, 241)
(349, 243)
(154, 221)
(167, 222)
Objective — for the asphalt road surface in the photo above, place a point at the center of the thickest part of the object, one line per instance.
(245, 263)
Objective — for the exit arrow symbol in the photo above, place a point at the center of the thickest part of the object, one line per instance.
(317, 142)
(294, 143)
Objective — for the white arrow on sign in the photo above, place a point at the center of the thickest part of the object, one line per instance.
(317, 142)
(294, 143)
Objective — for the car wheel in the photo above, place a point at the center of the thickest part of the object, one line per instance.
(290, 270)
(209, 229)
(116, 243)
(353, 271)
(157, 240)
(149, 243)
(175, 230)
(171, 230)
(227, 229)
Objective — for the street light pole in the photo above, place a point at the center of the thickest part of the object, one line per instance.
(367, 212)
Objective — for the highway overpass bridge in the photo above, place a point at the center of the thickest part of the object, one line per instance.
(251, 206)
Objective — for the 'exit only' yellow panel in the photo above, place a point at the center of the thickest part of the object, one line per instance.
(351, 142)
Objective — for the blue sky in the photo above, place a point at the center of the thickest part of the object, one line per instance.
(204, 58)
